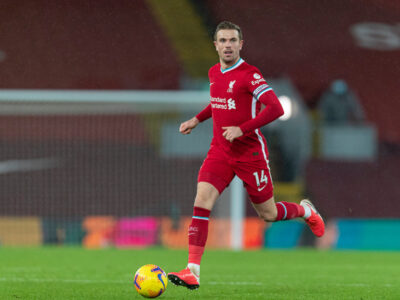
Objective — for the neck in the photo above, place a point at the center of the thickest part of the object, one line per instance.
(225, 65)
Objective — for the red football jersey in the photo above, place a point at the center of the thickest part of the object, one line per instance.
(235, 99)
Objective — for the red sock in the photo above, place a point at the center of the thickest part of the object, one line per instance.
(288, 210)
(198, 231)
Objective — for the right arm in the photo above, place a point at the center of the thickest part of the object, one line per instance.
(186, 127)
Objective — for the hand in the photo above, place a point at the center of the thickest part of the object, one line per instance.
(186, 127)
(232, 132)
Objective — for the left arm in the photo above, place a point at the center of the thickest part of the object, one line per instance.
(271, 112)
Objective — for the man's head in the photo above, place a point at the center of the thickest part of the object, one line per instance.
(339, 86)
(228, 41)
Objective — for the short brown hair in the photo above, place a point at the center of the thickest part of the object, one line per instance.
(228, 25)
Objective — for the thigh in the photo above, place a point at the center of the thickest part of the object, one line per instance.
(216, 170)
(257, 179)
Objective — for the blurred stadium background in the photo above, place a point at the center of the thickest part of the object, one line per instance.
(92, 94)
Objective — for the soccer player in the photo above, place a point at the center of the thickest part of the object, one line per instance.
(237, 91)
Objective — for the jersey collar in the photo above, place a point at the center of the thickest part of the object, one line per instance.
(239, 62)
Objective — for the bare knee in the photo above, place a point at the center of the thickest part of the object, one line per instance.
(206, 195)
(203, 200)
(267, 210)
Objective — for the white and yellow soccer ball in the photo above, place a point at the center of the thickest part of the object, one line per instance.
(150, 281)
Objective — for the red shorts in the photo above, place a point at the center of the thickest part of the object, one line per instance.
(219, 170)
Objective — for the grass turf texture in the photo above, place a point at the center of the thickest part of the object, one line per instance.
(75, 273)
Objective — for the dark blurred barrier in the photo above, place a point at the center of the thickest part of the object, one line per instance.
(355, 189)
(83, 165)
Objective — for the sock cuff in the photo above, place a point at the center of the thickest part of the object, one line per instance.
(201, 213)
(284, 215)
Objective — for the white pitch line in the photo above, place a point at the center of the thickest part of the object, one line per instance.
(89, 281)
(233, 283)
(363, 284)
(5, 279)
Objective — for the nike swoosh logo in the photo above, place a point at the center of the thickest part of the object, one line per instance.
(211, 83)
(260, 189)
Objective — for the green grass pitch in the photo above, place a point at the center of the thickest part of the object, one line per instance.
(76, 273)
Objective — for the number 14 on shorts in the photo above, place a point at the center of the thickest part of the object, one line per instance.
(260, 178)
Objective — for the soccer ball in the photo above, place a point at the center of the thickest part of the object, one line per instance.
(150, 281)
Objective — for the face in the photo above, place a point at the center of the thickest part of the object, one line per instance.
(228, 46)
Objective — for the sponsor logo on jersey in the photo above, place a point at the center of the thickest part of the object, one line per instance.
(218, 100)
(218, 103)
(219, 106)
(231, 104)
(222, 103)
(254, 82)
(230, 89)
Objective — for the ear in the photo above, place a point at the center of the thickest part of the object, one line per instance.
(240, 44)
(215, 44)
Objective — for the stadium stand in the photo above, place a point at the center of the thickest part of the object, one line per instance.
(187, 34)
(85, 45)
